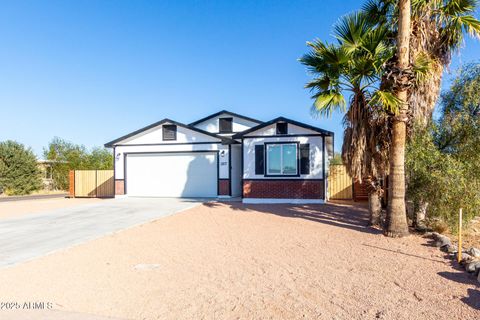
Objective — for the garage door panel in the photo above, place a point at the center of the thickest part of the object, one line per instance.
(172, 174)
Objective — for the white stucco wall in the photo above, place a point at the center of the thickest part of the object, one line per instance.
(272, 130)
(154, 135)
(121, 150)
(316, 151)
(238, 124)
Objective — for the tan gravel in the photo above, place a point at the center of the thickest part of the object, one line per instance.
(11, 209)
(229, 261)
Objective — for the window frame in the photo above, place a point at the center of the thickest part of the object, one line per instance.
(220, 127)
(164, 128)
(297, 149)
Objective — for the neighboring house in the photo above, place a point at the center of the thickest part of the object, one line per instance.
(225, 155)
(45, 167)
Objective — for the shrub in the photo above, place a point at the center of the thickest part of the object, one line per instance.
(19, 173)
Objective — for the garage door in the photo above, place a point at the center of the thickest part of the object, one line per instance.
(172, 174)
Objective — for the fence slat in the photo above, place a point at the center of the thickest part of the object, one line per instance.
(339, 183)
(94, 183)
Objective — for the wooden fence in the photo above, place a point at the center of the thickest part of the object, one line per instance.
(340, 186)
(92, 183)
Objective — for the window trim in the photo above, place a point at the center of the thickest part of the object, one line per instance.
(297, 145)
(220, 127)
(174, 135)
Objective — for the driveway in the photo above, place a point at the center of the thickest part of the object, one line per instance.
(35, 235)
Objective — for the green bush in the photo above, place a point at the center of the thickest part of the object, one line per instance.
(443, 161)
(19, 172)
(67, 156)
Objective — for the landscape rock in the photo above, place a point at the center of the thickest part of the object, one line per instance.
(442, 240)
(449, 248)
(472, 266)
(478, 277)
(466, 258)
(474, 252)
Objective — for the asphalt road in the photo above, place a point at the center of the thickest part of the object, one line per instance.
(33, 197)
(35, 235)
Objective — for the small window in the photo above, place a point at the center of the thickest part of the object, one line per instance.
(169, 132)
(282, 128)
(225, 125)
(282, 159)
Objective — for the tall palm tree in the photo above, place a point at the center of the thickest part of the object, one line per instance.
(354, 67)
(396, 214)
(437, 30)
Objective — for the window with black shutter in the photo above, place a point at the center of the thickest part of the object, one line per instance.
(282, 128)
(305, 158)
(225, 125)
(259, 159)
(169, 132)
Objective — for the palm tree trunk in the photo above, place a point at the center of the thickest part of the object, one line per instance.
(374, 208)
(396, 215)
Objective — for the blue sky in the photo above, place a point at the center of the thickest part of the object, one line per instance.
(91, 71)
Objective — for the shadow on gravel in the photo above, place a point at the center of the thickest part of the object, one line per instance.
(342, 216)
(473, 299)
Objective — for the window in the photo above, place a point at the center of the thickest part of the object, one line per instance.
(282, 128)
(169, 132)
(225, 125)
(282, 159)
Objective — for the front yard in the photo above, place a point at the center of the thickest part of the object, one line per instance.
(229, 261)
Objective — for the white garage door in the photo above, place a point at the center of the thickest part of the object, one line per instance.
(172, 174)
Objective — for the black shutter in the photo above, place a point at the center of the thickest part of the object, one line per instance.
(259, 159)
(305, 158)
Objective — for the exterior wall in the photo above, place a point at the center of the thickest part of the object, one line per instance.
(236, 178)
(238, 124)
(224, 187)
(272, 130)
(121, 150)
(119, 187)
(284, 189)
(154, 135)
(316, 156)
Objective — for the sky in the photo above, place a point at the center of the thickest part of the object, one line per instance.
(92, 71)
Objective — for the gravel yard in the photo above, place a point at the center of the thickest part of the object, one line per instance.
(229, 261)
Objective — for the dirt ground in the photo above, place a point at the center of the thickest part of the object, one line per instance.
(13, 209)
(229, 261)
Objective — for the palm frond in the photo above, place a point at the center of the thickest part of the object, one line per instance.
(422, 67)
(326, 102)
(387, 100)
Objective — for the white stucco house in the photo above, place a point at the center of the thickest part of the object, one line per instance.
(225, 155)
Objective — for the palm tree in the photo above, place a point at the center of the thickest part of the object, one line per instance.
(354, 66)
(437, 30)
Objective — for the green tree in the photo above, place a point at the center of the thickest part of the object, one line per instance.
(19, 173)
(354, 67)
(443, 161)
(68, 156)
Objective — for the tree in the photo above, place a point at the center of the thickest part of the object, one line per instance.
(68, 156)
(355, 66)
(19, 173)
(443, 160)
(437, 30)
(396, 214)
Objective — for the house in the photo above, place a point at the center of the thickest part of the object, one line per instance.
(225, 155)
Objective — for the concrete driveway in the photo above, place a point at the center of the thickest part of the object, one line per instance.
(35, 235)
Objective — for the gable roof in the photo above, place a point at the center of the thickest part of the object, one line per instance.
(224, 112)
(166, 120)
(282, 119)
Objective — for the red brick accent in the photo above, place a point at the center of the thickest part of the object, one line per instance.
(224, 187)
(119, 187)
(284, 189)
(71, 185)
